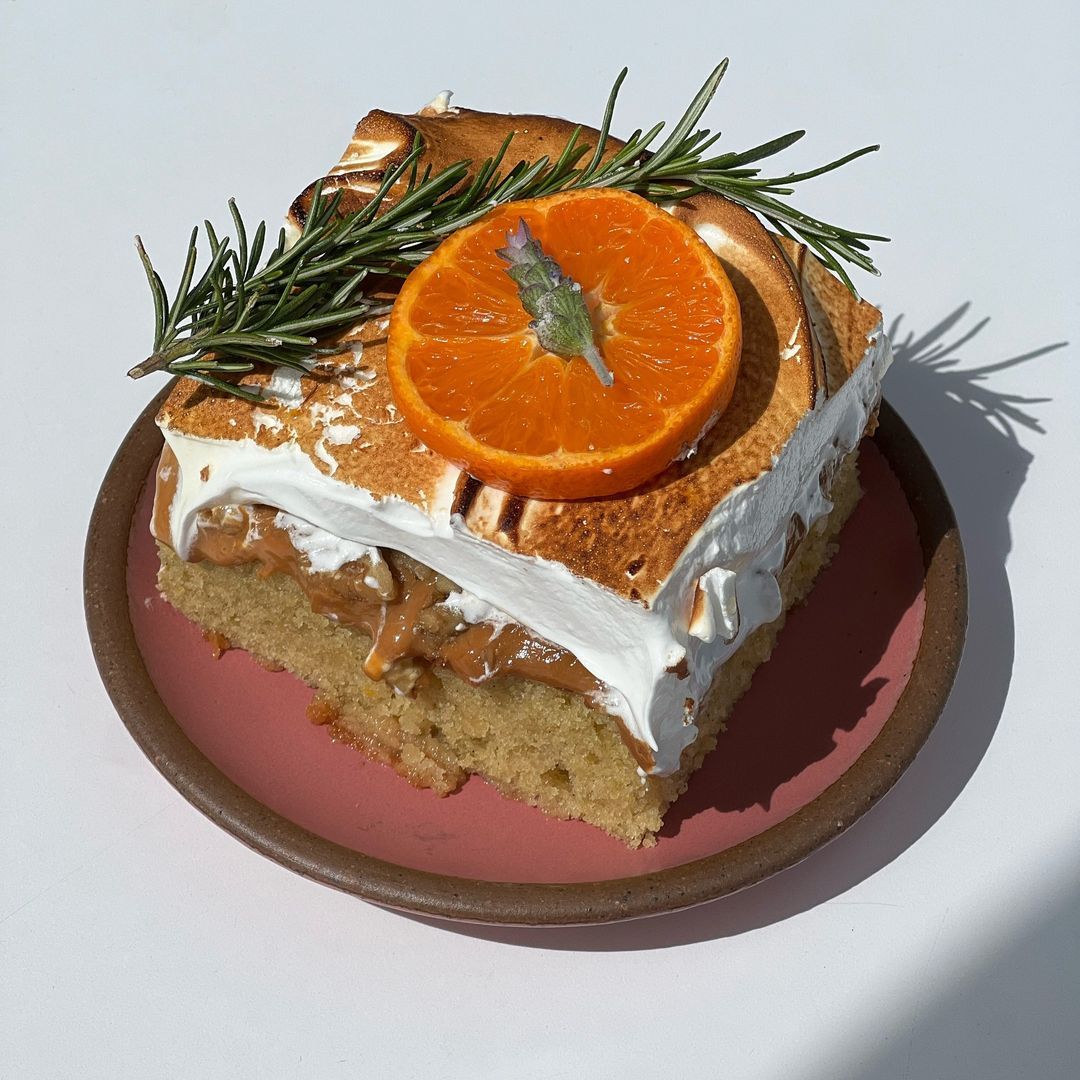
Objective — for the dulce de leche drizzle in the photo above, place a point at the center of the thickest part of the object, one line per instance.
(396, 600)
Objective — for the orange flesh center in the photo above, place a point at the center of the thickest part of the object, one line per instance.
(657, 320)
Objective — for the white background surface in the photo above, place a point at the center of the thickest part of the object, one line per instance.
(938, 938)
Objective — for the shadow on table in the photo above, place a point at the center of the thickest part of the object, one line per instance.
(969, 431)
(1010, 1012)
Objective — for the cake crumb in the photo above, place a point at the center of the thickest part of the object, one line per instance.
(320, 712)
(219, 643)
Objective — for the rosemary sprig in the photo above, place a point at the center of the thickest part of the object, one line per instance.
(239, 314)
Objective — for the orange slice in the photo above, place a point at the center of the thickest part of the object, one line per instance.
(473, 383)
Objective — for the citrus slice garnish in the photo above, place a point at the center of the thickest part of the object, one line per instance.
(474, 383)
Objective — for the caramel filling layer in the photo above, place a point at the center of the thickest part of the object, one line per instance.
(394, 599)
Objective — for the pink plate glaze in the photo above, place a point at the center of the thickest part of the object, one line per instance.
(853, 644)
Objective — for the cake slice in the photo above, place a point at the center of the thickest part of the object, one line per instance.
(581, 655)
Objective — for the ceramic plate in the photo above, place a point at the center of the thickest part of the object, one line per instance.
(879, 641)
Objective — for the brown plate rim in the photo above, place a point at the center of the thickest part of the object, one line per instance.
(160, 737)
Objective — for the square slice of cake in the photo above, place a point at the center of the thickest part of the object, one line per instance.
(580, 655)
